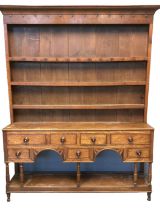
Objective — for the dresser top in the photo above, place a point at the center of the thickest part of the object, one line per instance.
(77, 126)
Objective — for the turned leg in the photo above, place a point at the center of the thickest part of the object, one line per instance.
(7, 181)
(149, 173)
(149, 180)
(21, 173)
(7, 174)
(8, 197)
(135, 176)
(78, 174)
(148, 196)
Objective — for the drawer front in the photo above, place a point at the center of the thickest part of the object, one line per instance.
(93, 139)
(130, 138)
(77, 155)
(63, 139)
(26, 139)
(18, 155)
(138, 155)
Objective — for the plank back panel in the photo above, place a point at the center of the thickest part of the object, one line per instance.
(80, 72)
(79, 115)
(105, 40)
(78, 95)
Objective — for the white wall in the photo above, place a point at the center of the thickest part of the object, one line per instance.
(88, 201)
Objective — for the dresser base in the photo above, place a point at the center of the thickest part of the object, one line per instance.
(97, 182)
(73, 142)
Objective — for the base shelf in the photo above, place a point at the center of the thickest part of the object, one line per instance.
(90, 182)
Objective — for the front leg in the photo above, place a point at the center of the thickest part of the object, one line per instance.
(7, 182)
(8, 197)
(148, 196)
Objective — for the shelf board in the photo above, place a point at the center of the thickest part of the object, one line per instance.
(78, 84)
(80, 106)
(99, 182)
(79, 59)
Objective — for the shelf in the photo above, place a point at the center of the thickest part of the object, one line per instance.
(80, 59)
(90, 182)
(81, 106)
(78, 84)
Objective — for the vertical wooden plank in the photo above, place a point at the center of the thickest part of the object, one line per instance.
(27, 95)
(105, 115)
(18, 71)
(105, 95)
(138, 40)
(130, 115)
(45, 41)
(121, 71)
(130, 95)
(81, 41)
(82, 72)
(106, 72)
(16, 39)
(59, 41)
(148, 70)
(24, 40)
(107, 42)
(28, 115)
(132, 40)
(31, 42)
(124, 41)
(32, 71)
(8, 71)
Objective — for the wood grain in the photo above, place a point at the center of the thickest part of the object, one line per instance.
(78, 80)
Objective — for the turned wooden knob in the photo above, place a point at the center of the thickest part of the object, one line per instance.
(18, 154)
(138, 153)
(62, 139)
(130, 139)
(26, 140)
(78, 153)
(93, 139)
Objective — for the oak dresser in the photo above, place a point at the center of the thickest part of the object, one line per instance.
(78, 81)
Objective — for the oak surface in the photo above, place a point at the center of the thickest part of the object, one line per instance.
(78, 81)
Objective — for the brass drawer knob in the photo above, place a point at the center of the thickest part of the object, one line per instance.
(62, 140)
(93, 139)
(78, 153)
(138, 153)
(18, 154)
(130, 139)
(26, 140)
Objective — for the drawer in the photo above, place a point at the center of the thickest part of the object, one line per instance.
(18, 154)
(79, 154)
(63, 139)
(93, 139)
(26, 139)
(138, 154)
(130, 138)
